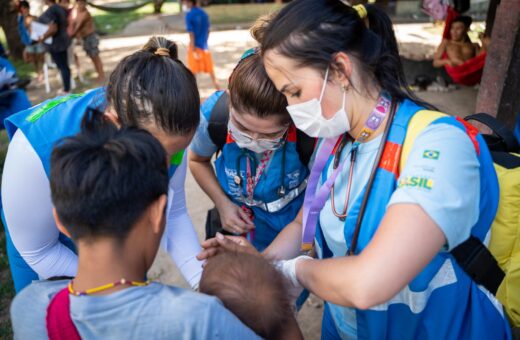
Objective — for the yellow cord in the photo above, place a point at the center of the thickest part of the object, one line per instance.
(361, 10)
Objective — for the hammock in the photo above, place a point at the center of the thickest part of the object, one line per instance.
(470, 72)
(120, 7)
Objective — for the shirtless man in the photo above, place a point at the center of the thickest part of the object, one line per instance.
(459, 48)
(84, 29)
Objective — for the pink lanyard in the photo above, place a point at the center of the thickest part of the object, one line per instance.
(253, 181)
(315, 198)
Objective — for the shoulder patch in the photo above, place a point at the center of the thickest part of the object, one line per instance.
(38, 113)
(177, 158)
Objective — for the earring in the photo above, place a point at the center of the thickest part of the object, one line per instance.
(345, 88)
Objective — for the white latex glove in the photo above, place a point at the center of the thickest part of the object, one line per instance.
(288, 269)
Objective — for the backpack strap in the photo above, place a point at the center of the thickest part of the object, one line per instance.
(218, 121)
(471, 255)
(420, 121)
(498, 128)
(58, 321)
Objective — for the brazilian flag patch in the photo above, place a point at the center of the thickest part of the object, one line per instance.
(431, 154)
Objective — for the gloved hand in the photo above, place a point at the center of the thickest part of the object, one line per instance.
(288, 269)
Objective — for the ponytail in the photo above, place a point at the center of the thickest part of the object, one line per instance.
(152, 86)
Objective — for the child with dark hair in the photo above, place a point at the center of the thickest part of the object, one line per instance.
(198, 26)
(149, 89)
(109, 186)
(254, 291)
(85, 30)
(34, 52)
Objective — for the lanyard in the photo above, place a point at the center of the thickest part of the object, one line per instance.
(251, 181)
(315, 198)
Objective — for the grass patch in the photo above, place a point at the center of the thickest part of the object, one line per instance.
(238, 13)
(111, 23)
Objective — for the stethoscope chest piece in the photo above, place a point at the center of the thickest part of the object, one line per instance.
(237, 179)
(281, 191)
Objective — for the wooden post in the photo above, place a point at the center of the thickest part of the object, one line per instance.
(498, 94)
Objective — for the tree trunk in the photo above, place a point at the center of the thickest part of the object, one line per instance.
(9, 24)
(157, 5)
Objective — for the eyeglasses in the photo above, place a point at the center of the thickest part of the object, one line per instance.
(266, 143)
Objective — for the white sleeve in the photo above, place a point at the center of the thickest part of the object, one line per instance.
(182, 242)
(27, 205)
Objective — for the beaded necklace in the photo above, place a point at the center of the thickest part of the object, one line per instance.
(107, 286)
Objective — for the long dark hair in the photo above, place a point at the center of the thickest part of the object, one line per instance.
(152, 86)
(311, 32)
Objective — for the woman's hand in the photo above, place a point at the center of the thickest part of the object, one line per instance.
(233, 218)
(221, 242)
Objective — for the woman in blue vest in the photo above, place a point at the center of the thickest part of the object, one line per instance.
(150, 89)
(259, 179)
(386, 234)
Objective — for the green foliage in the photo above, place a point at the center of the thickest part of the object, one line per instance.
(239, 13)
(111, 23)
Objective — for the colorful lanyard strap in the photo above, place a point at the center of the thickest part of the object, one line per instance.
(252, 181)
(315, 198)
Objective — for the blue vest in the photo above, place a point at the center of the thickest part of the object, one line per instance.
(442, 302)
(268, 224)
(46, 124)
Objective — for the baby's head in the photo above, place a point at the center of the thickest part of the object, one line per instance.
(251, 288)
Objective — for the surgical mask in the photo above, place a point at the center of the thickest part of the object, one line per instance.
(185, 8)
(308, 117)
(244, 141)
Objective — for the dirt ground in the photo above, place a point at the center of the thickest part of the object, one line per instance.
(226, 47)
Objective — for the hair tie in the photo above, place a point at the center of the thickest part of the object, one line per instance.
(163, 52)
(361, 11)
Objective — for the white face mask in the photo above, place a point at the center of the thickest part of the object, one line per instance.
(185, 8)
(244, 141)
(308, 117)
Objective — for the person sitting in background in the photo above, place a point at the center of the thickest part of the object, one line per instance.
(463, 60)
(108, 187)
(254, 291)
(459, 49)
(34, 52)
(84, 29)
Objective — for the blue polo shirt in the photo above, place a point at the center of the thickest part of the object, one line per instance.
(197, 22)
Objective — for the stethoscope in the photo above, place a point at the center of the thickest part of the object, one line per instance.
(281, 191)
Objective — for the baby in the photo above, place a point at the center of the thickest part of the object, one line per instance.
(254, 291)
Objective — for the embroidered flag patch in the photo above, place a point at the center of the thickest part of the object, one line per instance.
(431, 154)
